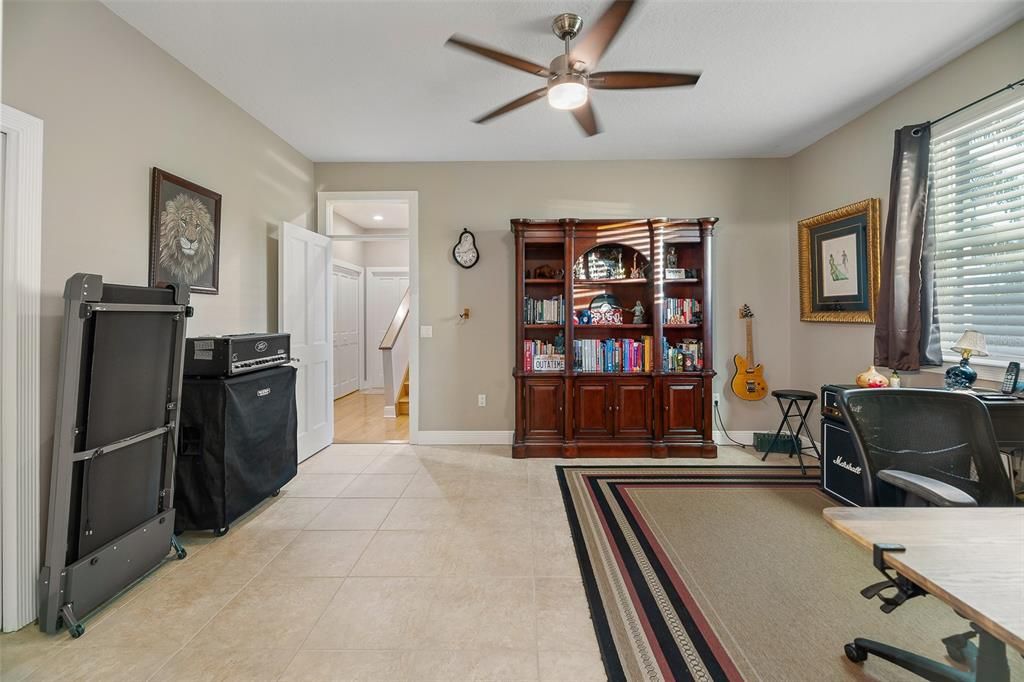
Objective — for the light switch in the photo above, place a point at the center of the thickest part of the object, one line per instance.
(426, 331)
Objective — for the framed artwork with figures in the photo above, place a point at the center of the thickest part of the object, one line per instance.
(184, 234)
(839, 264)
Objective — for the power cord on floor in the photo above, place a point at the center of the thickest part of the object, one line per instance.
(721, 425)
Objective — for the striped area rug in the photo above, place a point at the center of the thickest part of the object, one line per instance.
(730, 573)
(649, 624)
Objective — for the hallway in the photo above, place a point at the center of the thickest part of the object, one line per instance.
(359, 418)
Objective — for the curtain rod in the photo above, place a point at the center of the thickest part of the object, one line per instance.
(1011, 86)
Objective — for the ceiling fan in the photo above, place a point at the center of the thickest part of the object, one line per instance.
(571, 75)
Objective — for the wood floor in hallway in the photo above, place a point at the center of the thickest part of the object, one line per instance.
(359, 418)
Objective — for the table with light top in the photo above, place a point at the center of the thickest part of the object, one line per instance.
(972, 559)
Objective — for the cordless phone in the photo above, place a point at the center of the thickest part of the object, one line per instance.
(1010, 380)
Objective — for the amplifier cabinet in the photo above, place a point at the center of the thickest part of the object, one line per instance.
(238, 446)
(841, 468)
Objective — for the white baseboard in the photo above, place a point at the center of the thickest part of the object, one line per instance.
(464, 438)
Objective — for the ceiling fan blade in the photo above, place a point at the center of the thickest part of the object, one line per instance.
(633, 80)
(514, 104)
(499, 56)
(584, 115)
(595, 41)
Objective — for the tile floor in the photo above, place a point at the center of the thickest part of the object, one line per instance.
(377, 562)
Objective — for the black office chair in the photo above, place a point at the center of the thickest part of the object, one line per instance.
(922, 447)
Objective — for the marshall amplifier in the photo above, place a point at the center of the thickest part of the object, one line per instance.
(234, 354)
(841, 468)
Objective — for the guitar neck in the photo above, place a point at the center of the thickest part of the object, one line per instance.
(750, 342)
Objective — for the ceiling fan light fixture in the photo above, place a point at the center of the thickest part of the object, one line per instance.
(567, 91)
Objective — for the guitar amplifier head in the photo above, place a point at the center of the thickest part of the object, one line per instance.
(830, 400)
(233, 354)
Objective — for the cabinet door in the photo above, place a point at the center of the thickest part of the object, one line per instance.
(683, 407)
(543, 409)
(593, 409)
(632, 409)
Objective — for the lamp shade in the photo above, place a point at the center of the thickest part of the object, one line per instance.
(973, 342)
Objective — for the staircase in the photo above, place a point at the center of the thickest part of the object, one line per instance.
(394, 349)
(402, 404)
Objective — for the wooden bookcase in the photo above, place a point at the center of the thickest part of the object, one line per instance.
(659, 411)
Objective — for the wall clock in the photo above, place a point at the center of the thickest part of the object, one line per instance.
(465, 252)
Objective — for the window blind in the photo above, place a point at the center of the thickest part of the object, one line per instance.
(976, 213)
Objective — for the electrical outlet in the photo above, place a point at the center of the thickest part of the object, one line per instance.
(715, 397)
(426, 331)
(481, 400)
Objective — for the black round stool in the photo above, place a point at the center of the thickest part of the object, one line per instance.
(795, 397)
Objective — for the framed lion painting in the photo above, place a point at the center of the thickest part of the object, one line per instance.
(184, 234)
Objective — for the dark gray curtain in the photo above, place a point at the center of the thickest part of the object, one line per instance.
(906, 331)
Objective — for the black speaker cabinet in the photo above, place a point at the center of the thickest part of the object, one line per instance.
(238, 446)
(840, 468)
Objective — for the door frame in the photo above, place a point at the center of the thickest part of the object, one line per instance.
(20, 272)
(336, 265)
(325, 212)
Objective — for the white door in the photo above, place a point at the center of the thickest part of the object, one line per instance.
(384, 292)
(304, 311)
(346, 330)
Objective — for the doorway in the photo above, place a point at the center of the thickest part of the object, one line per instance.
(374, 289)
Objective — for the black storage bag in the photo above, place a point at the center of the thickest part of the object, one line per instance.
(238, 446)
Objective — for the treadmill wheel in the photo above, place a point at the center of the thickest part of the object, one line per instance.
(276, 493)
(221, 532)
(855, 653)
(76, 630)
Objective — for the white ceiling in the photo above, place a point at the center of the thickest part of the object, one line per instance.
(371, 81)
(394, 214)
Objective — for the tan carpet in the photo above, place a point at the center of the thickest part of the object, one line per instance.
(721, 573)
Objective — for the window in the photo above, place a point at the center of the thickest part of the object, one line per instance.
(976, 212)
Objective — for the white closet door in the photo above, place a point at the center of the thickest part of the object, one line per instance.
(346, 332)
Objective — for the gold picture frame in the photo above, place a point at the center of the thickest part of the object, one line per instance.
(841, 288)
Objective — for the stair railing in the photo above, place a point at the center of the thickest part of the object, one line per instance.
(394, 349)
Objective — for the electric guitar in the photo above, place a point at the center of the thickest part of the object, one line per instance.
(748, 381)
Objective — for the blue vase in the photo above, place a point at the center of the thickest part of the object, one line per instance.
(960, 377)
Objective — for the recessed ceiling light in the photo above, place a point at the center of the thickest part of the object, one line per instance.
(378, 218)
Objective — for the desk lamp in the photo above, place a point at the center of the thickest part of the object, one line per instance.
(961, 377)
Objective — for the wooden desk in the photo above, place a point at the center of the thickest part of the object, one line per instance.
(971, 559)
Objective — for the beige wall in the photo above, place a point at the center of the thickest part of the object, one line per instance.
(461, 360)
(388, 254)
(853, 163)
(114, 105)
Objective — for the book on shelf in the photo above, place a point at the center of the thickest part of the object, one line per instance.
(544, 310)
(685, 356)
(613, 355)
(681, 311)
(541, 356)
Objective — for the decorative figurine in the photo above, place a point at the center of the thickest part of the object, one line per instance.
(559, 343)
(871, 378)
(680, 358)
(638, 313)
(584, 317)
(671, 261)
(638, 271)
(620, 269)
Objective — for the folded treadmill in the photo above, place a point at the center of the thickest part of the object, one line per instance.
(111, 518)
